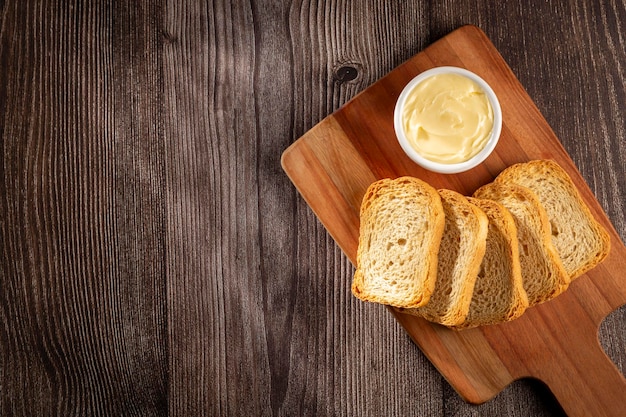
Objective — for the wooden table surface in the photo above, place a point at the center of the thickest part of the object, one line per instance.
(154, 257)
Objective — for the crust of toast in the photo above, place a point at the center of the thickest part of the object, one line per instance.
(402, 222)
(499, 294)
(581, 242)
(543, 273)
(460, 256)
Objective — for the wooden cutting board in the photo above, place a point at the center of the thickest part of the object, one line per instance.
(556, 342)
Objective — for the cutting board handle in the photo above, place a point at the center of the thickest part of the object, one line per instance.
(589, 383)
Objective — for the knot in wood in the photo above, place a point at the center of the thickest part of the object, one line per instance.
(346, 73)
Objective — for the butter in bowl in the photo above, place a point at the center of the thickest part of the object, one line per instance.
(448, 120)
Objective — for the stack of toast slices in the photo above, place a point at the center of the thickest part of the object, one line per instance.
(483, 259)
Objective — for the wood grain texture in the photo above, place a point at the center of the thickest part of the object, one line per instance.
(154, 259)
(83, 295)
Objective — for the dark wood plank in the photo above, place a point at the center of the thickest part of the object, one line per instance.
(155, 259)
(81, 287)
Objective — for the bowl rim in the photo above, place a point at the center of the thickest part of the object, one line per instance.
(438, 166)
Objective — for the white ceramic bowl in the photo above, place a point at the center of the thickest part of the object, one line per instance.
(450, 168)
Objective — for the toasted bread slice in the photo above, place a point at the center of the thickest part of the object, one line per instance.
(579, 239)
(402, 221)
(499, 294)
(543, 273)
(460, 256)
